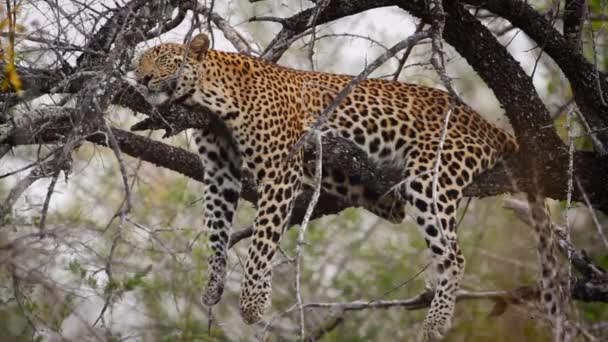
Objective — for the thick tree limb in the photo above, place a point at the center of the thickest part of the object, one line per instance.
(589, 86)
(574, 17)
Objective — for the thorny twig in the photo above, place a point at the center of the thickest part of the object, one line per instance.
(351, 35)
(126, 207)
(407, 53)
(570, 188)
(304, 225)
(437, 165)
(402, 284)
(553, 14)
(210, 30)
(437, 59)
(47, 200)
(108, 270)
(321, 5)
(438, 62)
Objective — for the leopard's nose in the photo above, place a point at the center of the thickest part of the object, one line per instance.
(144, 81)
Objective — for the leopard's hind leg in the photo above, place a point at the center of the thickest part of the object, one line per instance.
(436, 219)
(277, 190)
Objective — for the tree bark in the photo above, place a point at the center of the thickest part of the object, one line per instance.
(590, 86)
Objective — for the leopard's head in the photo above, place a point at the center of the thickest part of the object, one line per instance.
(166, 73)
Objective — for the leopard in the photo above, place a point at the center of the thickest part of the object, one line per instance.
(263, 109)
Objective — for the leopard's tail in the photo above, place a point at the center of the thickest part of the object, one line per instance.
(510, 145)
(505, 143)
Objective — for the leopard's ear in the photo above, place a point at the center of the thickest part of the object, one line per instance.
(199, 46)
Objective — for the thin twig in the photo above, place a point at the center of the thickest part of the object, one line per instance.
(313, 202)
(350, 35)
(569, 129)
(437, 165)
(231, 34)
(437, 54)
(47, 200)
(595, 69)
(596, 221)
(109, 274)
(313, 24)
(123, 171)
(407, 53)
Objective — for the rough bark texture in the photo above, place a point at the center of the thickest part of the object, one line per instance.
(589, 86)
(574, 16)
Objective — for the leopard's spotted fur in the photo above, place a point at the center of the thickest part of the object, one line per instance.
(267, 108)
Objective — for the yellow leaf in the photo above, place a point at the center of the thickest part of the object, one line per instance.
(15, 80)
(3, 23)
(11, 79)
(5, 86)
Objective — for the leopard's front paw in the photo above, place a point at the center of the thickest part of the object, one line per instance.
(215, 284)
(213, 292)
(434, 328)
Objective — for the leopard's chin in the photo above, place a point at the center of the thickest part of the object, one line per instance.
(157, 98)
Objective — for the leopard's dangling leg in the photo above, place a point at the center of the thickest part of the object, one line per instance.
(437, 222)
(277, 191)
(221, 191)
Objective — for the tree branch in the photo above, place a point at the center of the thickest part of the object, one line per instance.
(589, 86)
(574, 17)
